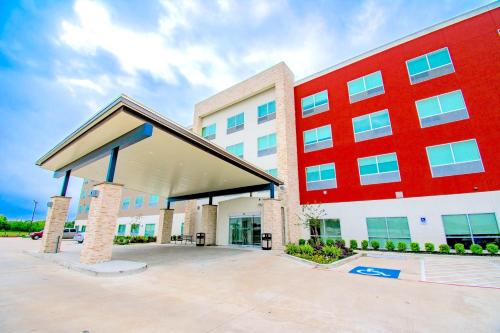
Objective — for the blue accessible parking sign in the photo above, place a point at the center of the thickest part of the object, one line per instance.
(375, 271)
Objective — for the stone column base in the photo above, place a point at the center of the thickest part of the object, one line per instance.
(209, 223)
(54, 224)
(272, 221)
(165, 226)
(101, 223)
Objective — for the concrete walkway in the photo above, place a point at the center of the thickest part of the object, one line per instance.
(189, 289)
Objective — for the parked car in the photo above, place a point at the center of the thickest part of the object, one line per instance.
(69, 233)
(36, 235)
(79, 237)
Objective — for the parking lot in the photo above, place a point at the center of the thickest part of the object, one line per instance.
(189, 289)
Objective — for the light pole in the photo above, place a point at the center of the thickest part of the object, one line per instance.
(33, 214)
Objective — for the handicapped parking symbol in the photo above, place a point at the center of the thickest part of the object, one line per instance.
(374, 271)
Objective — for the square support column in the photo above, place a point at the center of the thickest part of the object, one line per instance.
(57, 215)
(209, 223)
(101, 223)
(165, 226)
(272, 221)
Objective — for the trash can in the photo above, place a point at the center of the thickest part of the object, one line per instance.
(200, 239)
(267, 241)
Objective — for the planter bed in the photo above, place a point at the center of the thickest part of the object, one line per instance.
(469, 254)
(336, 263)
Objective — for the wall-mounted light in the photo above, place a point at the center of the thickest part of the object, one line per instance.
(94, 193)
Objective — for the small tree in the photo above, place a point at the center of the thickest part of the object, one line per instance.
(311, 218)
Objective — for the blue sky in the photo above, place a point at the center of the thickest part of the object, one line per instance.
(60, 61)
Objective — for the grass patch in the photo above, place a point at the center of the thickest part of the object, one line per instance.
(10, 233)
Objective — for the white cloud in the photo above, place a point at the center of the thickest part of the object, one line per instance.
(367, 23)
(70, 83)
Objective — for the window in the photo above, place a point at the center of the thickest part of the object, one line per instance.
(429, 66)
(318, 138)
(365, 87)
(266, 112)
(83, 194)
(383, 229)
(236, 149)
(87, 208)
(149, 230)
(328, 229)
(320, 177)
(153, 200)
(121, 229)
(208, 132)
(134, 229)
(80, 209)
(235, 123)
(83, 228)
(379, 169)
(138, 201)
(456, 158)
(442, 109)
(471, 229)
(371, 126)
(266, 145)
(272, 172)
(314, 104)
(125, 203)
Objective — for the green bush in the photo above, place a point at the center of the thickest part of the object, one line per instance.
(306, 249)
(375, 244)
(353, 244)
(329, 242)
(492, 248)
(331, 251)
(429, 247)
(444, 248)
(476, 249)
(341, 242)
(414, 247)
(402, 246)
(364, 244)
(459, 248)
(389, 245)
(292, 248)
(302, 241)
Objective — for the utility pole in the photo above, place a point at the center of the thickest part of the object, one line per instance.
(33, 214)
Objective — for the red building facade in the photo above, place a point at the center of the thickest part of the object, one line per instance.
(474, 48)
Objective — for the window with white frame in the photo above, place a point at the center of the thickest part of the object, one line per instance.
(365, 87)
(266, 145)
(236, 149)
(266, 112)
(236, 123)
(455, 158)
(372, 126)
(208, 132)
(320, 177)
(442, 109)
(379, 169)
(318, 138)
(315, 103)
(431, 65)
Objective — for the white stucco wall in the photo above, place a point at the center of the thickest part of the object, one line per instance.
(353, 215)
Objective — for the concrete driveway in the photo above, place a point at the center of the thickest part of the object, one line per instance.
(189, 289)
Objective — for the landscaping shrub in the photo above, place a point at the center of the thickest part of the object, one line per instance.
(353, 244)
(444, 248)
(459, 248)
(302, 241)
(340, 243)
(375, 244)
(364, 244)
(402, 246)
(429, 247)
(292, 248)
(492, 248)
(332, 251)
(329, 242)
(414, 247)
(389, 245)
(306, 249)
(476, 249)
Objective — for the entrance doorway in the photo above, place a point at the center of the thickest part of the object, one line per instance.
(244, 230)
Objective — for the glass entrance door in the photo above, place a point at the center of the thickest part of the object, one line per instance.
(244, 230)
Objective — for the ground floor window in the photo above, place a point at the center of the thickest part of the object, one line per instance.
(182, 228)
(84, 227)
(149, 230)
(328, 229)
(244, 230)
(134, 229)
(471, 229)
(383, 229)
(121, 229)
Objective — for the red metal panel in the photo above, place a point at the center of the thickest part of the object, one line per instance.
(474, 45)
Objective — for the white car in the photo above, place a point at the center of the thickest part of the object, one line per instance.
(79, 237)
